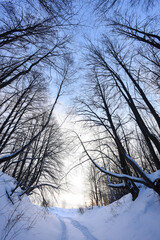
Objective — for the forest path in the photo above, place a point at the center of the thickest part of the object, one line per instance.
(64, 230)
(72, 229)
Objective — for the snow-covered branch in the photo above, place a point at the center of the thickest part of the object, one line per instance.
(136, 167)
(120, 185)
(116, 175)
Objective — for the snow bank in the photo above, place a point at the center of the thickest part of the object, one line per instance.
(123, 219)
(23, 220)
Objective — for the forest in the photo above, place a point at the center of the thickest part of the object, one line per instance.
(115, 81)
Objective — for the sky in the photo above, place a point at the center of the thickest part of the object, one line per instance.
(76, 190)
(74, 180)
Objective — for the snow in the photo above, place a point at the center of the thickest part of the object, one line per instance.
(123, 219)
(154, 176)
(117, 185)
(23, 220)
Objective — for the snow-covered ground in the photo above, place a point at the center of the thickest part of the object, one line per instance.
(122, 219)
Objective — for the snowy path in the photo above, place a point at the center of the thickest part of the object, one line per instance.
(64, 230)
(72, 229)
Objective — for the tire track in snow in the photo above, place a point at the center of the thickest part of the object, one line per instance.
(84, 230)
(64, 230)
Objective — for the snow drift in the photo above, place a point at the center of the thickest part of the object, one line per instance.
(123, 219)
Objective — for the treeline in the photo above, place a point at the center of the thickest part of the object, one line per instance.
(122, 101)
(33, 56)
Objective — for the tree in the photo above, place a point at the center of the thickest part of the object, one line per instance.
(33, 53)
(121, 107)
(104, 6)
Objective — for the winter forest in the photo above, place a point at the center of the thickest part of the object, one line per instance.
(80, 89)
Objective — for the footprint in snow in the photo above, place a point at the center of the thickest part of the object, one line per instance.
(84, 230)
(64, 230)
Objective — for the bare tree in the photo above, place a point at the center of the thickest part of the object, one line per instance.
(33, 53)
(114, 86)
(104, 6)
